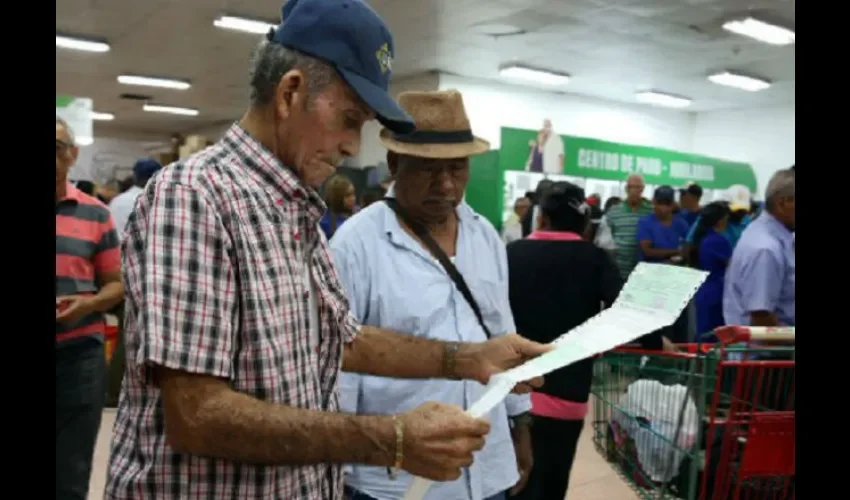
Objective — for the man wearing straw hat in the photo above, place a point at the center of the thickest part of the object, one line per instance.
(424, 262)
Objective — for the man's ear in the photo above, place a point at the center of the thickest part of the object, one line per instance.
(290, 93)
(392, 162)
(75, 152)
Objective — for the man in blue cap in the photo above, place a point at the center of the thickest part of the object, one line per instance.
(236, 322)
(122, 205)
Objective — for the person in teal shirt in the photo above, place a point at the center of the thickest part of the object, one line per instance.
(739, 219)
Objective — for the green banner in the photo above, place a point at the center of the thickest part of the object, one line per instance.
(594, 158)
(484, 189)
(63, 101)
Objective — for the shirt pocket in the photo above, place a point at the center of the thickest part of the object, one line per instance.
(491, 296)
(411, 298)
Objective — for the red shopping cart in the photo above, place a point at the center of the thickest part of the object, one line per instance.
(712, 422)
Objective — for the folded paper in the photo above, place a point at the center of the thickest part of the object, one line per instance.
(653, 297)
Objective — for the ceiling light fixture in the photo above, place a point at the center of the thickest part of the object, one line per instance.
(246, 25)
(148, 81)
(95, 115)
(497, 30)
(84, 140)
(541, 76)
(173, 110)
(762, 31)
(73, 43)
(739, 81)
(662, 99)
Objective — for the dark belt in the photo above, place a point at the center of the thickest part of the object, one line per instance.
(351, 494)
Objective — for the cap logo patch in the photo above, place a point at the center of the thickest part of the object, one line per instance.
(385, 58)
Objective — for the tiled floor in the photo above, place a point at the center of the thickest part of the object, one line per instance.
(592, 477)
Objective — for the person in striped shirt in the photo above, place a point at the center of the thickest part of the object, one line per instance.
(88, 283)
(622, 220)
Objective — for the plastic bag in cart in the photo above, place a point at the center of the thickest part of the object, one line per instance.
(649, 410)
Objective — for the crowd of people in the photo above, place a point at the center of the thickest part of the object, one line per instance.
(278, 345)
(678, 230)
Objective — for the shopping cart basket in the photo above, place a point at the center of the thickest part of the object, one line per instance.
(712, 422)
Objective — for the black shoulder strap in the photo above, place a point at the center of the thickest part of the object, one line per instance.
(422, 232)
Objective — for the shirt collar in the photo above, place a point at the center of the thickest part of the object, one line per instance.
(776, 227)
(542, 234)
(72, 194)
(270, 172)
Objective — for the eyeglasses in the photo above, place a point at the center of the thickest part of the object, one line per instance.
(62, 147)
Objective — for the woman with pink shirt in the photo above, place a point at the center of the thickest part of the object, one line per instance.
(558, 280)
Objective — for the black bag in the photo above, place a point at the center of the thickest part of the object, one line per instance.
(422, 232)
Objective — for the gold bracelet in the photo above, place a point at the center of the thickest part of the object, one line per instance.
(399, 447)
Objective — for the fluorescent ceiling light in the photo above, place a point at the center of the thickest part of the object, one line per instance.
(84, 140)
(534, 75)
(174, 110)
(662, 99)
(65, 42)
(243, 24)
(737, 81)
(101, 116)
(147, 81)
(761, 31)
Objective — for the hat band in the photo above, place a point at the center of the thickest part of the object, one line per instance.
(436, 137)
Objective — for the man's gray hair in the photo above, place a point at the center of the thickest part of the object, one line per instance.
(60, 121)
(781, 185)
(271, 61)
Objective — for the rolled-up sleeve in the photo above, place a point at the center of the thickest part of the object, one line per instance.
(178, 258)
(107, 256)
(761, 281)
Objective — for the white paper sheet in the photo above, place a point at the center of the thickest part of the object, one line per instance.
(652, 298)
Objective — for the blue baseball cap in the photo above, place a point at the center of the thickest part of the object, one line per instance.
(352, 37)
(664, 194)
(145, 168)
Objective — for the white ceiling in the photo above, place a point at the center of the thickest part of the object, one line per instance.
(612, 48)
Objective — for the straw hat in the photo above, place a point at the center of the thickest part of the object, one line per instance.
(738, 197)
(442, 127)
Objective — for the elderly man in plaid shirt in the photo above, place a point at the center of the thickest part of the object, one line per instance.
(236, 323)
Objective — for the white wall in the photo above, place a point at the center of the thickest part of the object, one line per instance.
(111, 158)
(492, 106)
(763, 137)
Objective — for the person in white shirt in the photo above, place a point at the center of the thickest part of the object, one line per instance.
(513, 226)
(122, 205)
(546, 154)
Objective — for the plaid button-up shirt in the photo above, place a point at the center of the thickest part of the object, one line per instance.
(214, 263)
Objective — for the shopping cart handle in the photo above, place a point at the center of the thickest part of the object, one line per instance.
(734, 334)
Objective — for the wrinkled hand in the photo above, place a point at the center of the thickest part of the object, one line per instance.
(70, 308)
(524, 457)
(439, 440)
(668, 346)
(503, 353)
